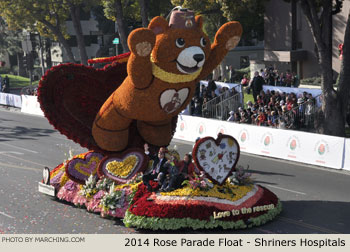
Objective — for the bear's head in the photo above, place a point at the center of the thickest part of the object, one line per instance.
(181, 46)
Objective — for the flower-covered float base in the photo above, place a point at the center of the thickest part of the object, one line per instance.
(242, 207)
(196, 206)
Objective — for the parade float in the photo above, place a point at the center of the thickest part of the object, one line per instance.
(133, 101)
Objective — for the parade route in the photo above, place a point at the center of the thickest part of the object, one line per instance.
(315, 199)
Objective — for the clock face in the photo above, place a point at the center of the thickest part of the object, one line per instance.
(217, 157)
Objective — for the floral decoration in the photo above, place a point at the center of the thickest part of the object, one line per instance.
(79, 169)
(89, 189)
(241, 176)
(157, 223)
(123, 166)
(141, 206)
(201, 182)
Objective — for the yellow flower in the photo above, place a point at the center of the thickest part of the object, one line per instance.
(64, 179)
(226, 191)
(132, 186)
(122, 168)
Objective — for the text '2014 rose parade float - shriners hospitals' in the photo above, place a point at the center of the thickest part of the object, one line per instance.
(134, 102)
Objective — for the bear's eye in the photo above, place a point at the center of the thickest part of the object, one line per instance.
(180, 42)
(203, 42)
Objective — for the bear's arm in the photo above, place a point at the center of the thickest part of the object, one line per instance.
(226, 38)
(141, 42)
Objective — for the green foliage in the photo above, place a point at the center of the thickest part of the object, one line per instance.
(159, 8)
(16, 81)
(106, 26)
(131, 10)
(241, 72)
(315, 81)
(37, 15)
(10, 40)
(249, 13)
(5, 70)
(209, 9)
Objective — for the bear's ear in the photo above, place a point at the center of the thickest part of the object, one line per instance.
(199, 21)
(158, 25)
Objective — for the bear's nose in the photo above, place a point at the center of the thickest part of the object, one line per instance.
(198, 57)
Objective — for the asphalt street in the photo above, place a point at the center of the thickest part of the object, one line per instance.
(315, 199)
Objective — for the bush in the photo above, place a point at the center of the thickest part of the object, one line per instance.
(15, 70)
(5, 70)
(314, 81)
(241, 72)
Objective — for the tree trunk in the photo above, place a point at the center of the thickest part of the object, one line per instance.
(344, 75)
(333, 122)
(144, 12)
(75, 14)
(55, 30)
(121, 25)
(21, 70)
(47, 46)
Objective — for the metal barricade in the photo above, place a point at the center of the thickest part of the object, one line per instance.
(302, 117)
(230, 104)
(219, 107)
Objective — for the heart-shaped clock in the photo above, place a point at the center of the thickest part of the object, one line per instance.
(123, 166)
(81, 167)
(216, 157)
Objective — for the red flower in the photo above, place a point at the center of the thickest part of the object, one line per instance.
(144, 207)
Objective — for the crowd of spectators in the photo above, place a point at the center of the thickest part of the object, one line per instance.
(273, 77)
(279, 110)
(273, 108)
(204, 94)
(30, 91)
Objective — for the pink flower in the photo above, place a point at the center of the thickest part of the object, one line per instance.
(79, 200)
(93, 205)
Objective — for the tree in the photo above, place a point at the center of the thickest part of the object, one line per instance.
(10, 42)
(46, 16)
(133, 13)
(114, 10)
(49, 18)
(144, 12)
(249, 13)
(318, 14)
(74, 10)
(75, 7)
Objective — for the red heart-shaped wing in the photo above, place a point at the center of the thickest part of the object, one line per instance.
(71, 95)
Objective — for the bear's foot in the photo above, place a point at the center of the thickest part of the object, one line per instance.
(111, 140)
(156, 133)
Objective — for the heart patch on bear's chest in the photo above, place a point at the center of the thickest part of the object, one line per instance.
(171, 99)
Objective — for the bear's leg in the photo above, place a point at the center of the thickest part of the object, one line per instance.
(156, 133)
(110, 129)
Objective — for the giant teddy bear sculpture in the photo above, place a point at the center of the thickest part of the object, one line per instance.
(115, 110)
(166, 62)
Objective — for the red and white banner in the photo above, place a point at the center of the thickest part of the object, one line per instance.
(30, 105)
(299, 146)
(10, 100)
